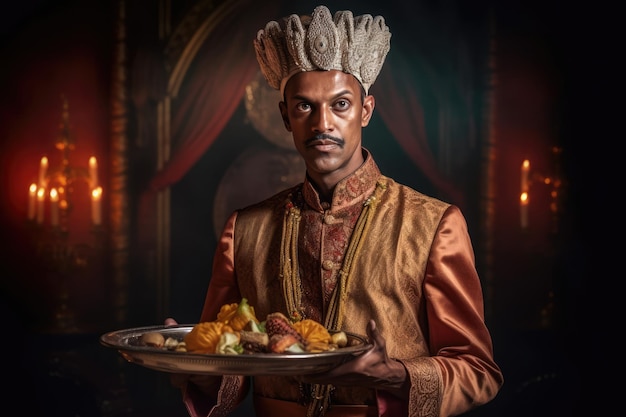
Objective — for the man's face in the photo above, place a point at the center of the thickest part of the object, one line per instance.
(325, 113)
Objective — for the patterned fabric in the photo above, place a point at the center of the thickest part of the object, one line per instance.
(326, 232)
(415, 276)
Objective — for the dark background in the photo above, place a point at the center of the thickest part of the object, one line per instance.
(551, 299)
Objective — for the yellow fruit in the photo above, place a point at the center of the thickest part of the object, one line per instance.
(203, 337)
(227, 312)
(312, 331)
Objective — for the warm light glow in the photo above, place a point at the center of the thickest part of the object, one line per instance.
(93, 171)
(523, 198)
(41, 195)
(96, 193)
(50, 197)
(554, 207)
(524, 193)
(96, 209)
(54, 207)
(523, 210)
(525, 174)
(43, 171)
(32, 197)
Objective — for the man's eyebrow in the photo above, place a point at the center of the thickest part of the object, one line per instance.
(336, 96)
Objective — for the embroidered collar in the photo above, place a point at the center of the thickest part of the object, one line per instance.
(351, 190)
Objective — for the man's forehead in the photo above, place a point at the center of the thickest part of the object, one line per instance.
(329, 82)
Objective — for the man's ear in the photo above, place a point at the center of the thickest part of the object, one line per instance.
(283, 112)
(368, 109)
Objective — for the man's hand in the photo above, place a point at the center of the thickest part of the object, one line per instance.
(371, 369)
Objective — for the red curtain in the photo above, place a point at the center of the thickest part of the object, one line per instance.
(225, 64)
(401, 111)
(212, 90)
(216, 83)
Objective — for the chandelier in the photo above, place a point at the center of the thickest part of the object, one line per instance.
(56, 184)
(50, 205)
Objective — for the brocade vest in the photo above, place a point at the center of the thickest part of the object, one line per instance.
(388, 271)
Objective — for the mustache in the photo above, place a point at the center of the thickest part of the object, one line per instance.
(336, 140)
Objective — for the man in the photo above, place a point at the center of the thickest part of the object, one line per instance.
(350, 248)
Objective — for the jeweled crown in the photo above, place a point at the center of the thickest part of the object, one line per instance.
(355, 45)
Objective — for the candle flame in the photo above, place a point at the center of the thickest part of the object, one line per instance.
(96, 193)
(41, 193)
(526, 164)
(33, 188)
(92, 161)
(54, 195)
(524, 198)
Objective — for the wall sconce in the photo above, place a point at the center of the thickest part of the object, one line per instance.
(554, 183)
(54, 187)
(57, 183)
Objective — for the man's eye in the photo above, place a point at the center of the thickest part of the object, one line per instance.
(303, 106)
(342, 104)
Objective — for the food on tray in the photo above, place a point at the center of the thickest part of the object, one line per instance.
(254, 341)
(157, 340)
(154, 339)
(238, 331)
(237, 315)
(204, 337)
(317, 337)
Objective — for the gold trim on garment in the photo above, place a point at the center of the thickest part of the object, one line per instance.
(292, 285)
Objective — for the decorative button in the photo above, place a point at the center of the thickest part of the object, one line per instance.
(329, 219)
(328, 265)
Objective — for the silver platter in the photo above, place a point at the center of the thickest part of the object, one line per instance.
(126, 342)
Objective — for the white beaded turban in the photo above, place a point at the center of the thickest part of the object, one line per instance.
(354, 45)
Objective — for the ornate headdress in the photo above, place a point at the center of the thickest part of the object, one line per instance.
(354, 45)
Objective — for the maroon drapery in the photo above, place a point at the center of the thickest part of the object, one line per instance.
(221, 88)
(226, 63)
(402, 113)
(216, 83)
(212, 90)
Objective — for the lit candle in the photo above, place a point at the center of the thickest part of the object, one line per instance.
(525, 173)
(32, 197)
(523, 199)
(41, 195)
(54, 207)
(93, 171)
(43, 170)
(96, 209)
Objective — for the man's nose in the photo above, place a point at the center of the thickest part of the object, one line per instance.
(322, 120)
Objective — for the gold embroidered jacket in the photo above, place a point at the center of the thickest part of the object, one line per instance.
(414, 275)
